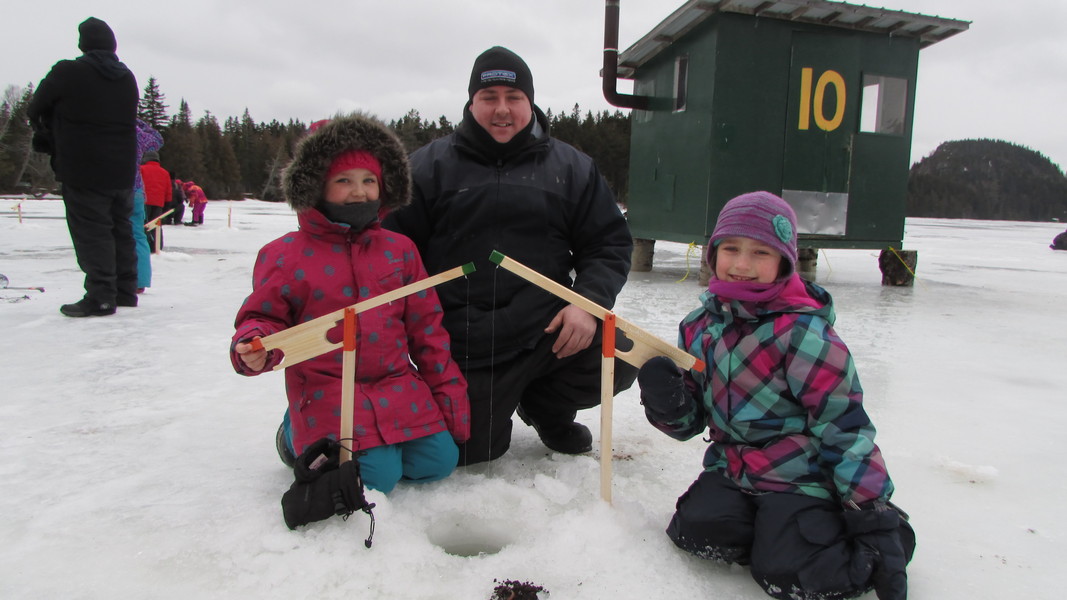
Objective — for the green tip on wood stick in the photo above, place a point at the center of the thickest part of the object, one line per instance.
(468, 268)
(496, 257)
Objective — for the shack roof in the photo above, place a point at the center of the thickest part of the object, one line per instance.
(928, 30)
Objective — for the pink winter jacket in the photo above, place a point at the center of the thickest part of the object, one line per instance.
(324, 267)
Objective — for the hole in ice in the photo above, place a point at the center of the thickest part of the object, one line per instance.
(468, 535)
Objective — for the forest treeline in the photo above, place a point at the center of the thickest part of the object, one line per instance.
(987, 179)
(240, 157)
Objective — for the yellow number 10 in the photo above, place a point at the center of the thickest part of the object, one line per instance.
(828, 78)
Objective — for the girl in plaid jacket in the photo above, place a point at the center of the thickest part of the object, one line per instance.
(793, 483)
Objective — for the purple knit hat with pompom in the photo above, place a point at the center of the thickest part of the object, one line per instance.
(760, 216)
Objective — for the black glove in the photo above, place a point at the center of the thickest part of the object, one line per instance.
(323, 489)
(880, 557)
(662, 390)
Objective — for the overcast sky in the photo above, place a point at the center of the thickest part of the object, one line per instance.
(1005, 78)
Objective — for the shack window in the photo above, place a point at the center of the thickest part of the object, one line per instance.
(884, 104)
(681, 77)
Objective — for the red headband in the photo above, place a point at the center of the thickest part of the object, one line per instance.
(355, 159)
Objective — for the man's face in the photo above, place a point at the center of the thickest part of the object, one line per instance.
(502, 111)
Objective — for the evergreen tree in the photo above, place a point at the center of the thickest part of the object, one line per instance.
(15, 138)
(987, 179)
(151, 108)
(223, 177)
(280, 141)
(182, 154)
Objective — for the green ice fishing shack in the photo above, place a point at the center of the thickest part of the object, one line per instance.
(810, 99)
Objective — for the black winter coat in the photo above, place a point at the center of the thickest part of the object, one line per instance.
(88, 109)
(545, 206)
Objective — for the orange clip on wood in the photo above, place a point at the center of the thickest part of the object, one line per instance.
(608, 336)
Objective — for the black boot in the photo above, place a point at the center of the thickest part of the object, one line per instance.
(88, 308)
(565, 437)
(281, 442)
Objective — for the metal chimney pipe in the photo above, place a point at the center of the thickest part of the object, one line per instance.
(610, 70)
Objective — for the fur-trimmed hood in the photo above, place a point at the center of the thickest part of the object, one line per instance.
(303, 180)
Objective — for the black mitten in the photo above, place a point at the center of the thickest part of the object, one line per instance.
(323, 489)
(875, 529)
(662, 390)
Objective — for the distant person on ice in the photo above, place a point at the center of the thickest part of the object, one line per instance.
(1059, 242)
(158, 192)
(177, 202)
(197, 201)
(84, 115)
(411, 405)
(792, 483)
(148, 140)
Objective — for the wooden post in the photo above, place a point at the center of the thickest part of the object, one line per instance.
(607, 397)
(348, 384)
(157, 223)
(643, 255)
(807, 263)
(898, 267)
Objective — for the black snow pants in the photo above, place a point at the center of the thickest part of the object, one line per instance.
(99, 224)
(795, 545)
(550, 390)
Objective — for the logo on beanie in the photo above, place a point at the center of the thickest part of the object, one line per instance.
(782, 228)
(499, 75)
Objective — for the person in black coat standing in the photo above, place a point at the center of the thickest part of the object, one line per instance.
(84, 115)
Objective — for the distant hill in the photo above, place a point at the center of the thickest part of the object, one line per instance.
(987, 179)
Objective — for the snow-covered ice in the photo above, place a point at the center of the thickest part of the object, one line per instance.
(135, 464)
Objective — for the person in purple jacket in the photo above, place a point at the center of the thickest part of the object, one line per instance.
(411, 406)
(792, 482)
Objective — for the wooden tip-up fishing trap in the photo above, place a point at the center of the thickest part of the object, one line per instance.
(308, 340)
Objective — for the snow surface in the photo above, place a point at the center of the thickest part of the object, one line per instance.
(134, 463)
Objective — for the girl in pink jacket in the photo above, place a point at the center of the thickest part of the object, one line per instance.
(197, 199)
(411, 404)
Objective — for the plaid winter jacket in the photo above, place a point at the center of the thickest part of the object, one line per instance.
(781, 400)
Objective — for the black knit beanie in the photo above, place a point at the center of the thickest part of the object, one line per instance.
(500, 66)
(95, 35)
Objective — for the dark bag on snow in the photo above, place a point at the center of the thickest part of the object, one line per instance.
(324, 488)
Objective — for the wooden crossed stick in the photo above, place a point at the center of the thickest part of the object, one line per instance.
(308, 340)
(645, 346)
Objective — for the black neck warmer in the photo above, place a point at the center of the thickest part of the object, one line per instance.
(356, 215)
(479, 138)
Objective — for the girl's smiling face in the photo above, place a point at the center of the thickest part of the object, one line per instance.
(351, 186)
(742, 259)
